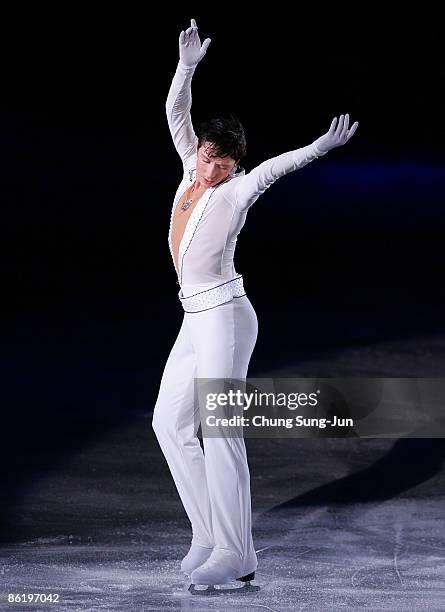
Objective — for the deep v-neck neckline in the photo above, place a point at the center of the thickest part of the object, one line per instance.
(176, 214)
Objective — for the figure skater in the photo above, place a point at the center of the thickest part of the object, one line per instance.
(219, 327)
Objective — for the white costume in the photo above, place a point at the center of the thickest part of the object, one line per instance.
(216, 340)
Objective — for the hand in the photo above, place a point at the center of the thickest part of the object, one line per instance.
(336, 136)
(190, 50)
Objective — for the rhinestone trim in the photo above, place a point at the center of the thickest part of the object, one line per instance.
(214, 296)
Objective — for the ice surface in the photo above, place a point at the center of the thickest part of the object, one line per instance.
(339, 524)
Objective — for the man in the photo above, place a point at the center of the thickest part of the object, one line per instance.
(219, 328)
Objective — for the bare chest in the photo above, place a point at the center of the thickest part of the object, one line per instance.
(181, 217)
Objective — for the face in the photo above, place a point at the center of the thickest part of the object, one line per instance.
(211, 169)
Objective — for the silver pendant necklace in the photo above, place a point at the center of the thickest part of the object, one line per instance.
(188, 202)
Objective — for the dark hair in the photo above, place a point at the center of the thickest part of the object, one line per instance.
(226, 133)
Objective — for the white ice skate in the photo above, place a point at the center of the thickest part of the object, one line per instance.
(196, 556)
(217, 573)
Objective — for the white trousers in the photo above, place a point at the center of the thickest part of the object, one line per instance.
(214, 486)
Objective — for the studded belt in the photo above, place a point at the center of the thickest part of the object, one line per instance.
(215, 296)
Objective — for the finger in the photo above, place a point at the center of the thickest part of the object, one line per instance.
(353, 130)
(205, 44)
(345, 126)
(340, 124)
(332, 126)
(189, 31)
(193, 22)
(182, 37)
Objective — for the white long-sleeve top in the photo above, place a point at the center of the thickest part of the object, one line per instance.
(206, 251)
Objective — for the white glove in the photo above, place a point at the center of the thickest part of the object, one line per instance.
(190, 50)
(336, 136)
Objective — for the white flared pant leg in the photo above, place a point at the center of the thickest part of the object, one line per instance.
(173, 424)
(215, 488)
(223, 339)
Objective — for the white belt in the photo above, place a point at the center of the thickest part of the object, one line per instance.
(214, 296)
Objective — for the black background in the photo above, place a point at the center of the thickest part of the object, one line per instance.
(88, 169)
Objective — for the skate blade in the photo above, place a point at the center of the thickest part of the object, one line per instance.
(221, 589)
(187, 582)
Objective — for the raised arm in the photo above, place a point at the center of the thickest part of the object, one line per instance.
(179, 98)
(253, 184)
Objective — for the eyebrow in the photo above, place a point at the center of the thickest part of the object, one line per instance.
(208, 157)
